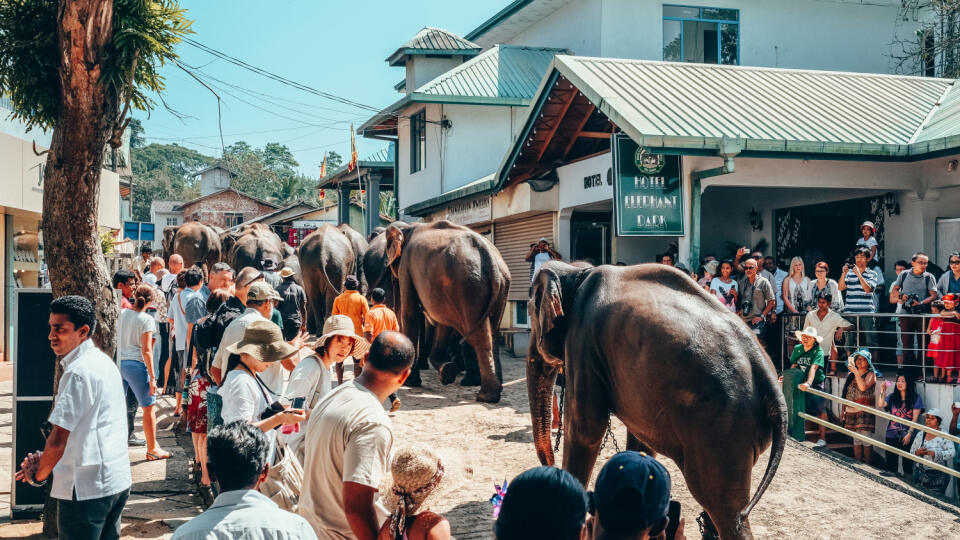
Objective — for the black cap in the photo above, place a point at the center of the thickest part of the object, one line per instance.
(632, 493)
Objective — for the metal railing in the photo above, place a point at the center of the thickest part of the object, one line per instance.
(876, 412)
(876, 339)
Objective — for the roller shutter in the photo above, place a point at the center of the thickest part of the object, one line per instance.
(513, 239)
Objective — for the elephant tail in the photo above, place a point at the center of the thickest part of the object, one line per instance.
(776, 412)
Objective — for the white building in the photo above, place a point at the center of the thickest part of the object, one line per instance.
(164, 214)
(453, 131)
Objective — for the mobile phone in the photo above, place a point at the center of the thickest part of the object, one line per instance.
(673, 513)
(297, 403)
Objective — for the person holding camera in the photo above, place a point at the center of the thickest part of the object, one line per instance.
(859, 282)
(914, 289)
(757, 300)
(540, 253)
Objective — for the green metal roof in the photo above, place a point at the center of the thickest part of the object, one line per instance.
(433, 41)
(382, 158)
(503, 75)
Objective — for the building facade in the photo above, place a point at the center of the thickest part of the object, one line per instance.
(225, 208)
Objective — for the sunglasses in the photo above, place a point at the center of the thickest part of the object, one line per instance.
(749, 267)
(954, 262)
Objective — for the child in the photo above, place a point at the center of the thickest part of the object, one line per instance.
(934, 330)
(869, 239)
(948, 348)
(416, 474)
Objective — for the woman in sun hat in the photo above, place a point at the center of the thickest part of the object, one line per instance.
(311, 378)
(860, 388)
(934, 448)
(244, 395)
(807, 356)
(868, 239)
(417, 472)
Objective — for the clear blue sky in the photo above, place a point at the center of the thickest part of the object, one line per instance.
(336, 47)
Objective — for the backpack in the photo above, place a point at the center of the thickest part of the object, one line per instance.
(210, 330)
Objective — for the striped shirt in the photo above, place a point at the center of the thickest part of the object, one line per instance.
(857, 300)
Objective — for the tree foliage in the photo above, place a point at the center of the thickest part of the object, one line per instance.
(164, 172)
(144, 35)
(933, 49)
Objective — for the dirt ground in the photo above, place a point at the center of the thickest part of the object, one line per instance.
(811, 496)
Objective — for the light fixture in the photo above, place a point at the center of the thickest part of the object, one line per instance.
(756, 222)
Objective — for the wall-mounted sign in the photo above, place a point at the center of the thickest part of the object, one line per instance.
(597, 180)
(469, 212)
(312, 223)
(647, 191)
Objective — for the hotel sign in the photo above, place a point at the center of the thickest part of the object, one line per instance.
(469, 211)
(647, 191)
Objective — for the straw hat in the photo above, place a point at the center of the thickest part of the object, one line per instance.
(342, 325)
(263, 340)
(809, 331)
(417, 473)
(286, 272)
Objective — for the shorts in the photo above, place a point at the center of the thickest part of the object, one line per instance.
(816, 405)
(858, 442)
(135, 377)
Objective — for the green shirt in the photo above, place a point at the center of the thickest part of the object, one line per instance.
(277, 319)
(805, 359)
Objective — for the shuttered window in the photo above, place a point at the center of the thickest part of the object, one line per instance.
(513, 239)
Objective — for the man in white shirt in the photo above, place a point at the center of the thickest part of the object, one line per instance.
(87, 450)
(348, 442)
(150, 278)
(237, 453)
(830, 325)
(260, 297)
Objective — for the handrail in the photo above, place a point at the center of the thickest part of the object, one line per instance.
(922, 461)
(883, 414)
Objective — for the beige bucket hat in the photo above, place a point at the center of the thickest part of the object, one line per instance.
(342, 325)
(417, 473)
(286, 272)
(263, 340)
(809, 331)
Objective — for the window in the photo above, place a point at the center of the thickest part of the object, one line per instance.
(521, 318)
(232, 220)
(173, 221)
(703, 35)
(929, 54)
(418, 141)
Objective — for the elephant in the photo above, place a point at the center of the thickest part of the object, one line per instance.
(454, 279)
(169, 232)
(254, 246)
(376, 273)
(684, 374)
(359, 245)
(197, 243)
(326, 258)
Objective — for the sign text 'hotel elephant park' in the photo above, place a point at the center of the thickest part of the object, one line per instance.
(648, 193)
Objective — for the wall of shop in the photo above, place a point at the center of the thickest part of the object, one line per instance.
(474, 144)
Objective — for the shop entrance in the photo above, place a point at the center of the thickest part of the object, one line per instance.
(825, 232)
(590, 237)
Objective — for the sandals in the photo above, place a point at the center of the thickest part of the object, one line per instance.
(151, 456)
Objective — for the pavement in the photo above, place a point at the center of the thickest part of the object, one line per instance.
(163, 494)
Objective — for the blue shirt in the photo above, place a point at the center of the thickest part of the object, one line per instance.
(857, 300)
(245, 514)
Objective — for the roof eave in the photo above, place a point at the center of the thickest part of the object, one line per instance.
(498, 18)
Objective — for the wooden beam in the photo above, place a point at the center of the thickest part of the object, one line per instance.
(593, 135)
(583, 122)
(563, 112)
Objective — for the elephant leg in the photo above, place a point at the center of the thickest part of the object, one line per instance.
(584, 425)
(448, 370)
(705, 470)
(472, 377)
(411, 321)
(481, 340)
(633, 443)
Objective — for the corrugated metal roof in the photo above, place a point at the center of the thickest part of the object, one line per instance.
(503, 71)
(944, 120)
(432, 41)
(165, 206)
(711, 101)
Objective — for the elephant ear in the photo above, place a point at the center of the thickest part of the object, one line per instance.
(547, 309)
(394, 244)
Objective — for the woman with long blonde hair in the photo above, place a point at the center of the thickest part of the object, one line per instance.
(796, 293)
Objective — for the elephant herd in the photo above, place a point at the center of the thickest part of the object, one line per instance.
(643, 342)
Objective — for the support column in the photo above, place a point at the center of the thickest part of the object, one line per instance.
(372, 184)
(695, 195)
(562, 241)
(343, 203)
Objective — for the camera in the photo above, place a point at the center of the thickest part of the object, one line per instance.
(913, 306)
(274, 409)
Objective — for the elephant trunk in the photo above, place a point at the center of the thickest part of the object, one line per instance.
(540, 380)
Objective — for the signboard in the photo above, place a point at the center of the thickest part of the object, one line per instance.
(647, 191)
(469, 212)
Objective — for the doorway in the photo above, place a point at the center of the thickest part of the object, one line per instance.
(590, 237)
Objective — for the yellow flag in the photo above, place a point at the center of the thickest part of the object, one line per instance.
(323, 166)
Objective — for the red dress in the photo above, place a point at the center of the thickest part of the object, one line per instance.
(948, 350)
(197, 409)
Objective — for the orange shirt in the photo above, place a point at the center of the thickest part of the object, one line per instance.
(380, 318)
(353, 305)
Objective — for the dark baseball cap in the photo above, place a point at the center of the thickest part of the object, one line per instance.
(632, 493)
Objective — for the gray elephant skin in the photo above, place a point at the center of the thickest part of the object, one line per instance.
(255, 244)
(376, 273)
(685, 376)
(196, 242)
(455, 279)
(359, 245)
(326, 259)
